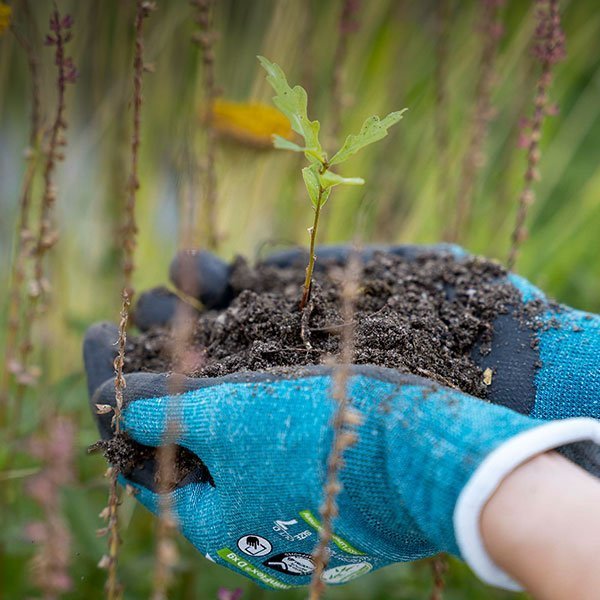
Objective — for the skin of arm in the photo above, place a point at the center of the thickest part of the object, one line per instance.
(542, 526)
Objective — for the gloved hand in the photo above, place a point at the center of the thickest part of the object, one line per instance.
(426, 461)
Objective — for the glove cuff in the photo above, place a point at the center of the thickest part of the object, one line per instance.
(490, 474)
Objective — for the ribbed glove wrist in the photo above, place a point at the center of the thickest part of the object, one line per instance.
(466, 449)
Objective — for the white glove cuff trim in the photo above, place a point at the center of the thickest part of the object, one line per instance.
(490, 474)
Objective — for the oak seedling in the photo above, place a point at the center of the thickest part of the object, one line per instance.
(318, 176)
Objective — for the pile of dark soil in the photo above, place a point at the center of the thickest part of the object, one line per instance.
(428, 316)
(424, 316)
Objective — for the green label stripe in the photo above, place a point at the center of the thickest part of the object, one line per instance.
(340, 542)
(243, 565)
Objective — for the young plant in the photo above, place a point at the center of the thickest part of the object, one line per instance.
(318, 176)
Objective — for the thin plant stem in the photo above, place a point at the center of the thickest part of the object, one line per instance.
(441, 113)
(17, 279)
(188, 235)
(165, 552)
(110, 561)
(183, 360)
(474, 159)
(205, 39)
(22, 246)
(345, 420)
(346, 26)
(306, 288)
(549, 50)
(439, 566)
(47, 236)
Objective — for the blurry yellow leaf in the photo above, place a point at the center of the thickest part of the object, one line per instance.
(250, 123)
(5, 13)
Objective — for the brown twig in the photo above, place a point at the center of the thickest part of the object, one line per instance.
(439, 567)
(205, 39)
(549, 49)
(346, 26)
(491, 32)
(109, 561)
(344, 422)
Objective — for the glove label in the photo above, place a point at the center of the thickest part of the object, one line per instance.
(291, 563)
(250, 570)
(340, 542)
(254, 545)
(345, 573)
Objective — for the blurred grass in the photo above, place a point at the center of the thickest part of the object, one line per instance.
(391, 63)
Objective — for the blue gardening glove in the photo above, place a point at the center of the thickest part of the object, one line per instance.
(426, 461)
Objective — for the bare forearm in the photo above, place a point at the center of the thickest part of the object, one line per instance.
(542, 526)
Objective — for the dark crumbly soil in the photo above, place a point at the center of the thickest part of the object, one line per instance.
(425, 316)
(129, 455)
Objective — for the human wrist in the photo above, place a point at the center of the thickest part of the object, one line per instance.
(492, 474)
(541, 526)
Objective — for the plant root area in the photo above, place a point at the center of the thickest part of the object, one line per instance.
(428, 316)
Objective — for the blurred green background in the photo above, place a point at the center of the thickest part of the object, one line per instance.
(410, 195)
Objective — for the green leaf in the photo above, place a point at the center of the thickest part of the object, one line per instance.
(293, 103)
(329, 179)
(373, 129)
(311, 181)
(325, 196)
(282, 143)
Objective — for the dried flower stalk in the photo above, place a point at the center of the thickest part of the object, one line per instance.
(165, 554)
(50, 564)
(441, 124)
(549, 49)
(24, 235)
(439, 566)
(205, 39)
(109, 561)
(346, 26)
(344, 422)
(47, 236)
(491, 31)
(183, 359)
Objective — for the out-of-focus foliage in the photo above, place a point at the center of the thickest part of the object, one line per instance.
(391, 62)
(5, 14)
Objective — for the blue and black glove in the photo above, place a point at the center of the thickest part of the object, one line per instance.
(426, 461)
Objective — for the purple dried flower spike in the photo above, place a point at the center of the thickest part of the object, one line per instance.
(348, 21)
(50, 564)
(67, 22)
(62, 35)
(549, 48)
(550, 38)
